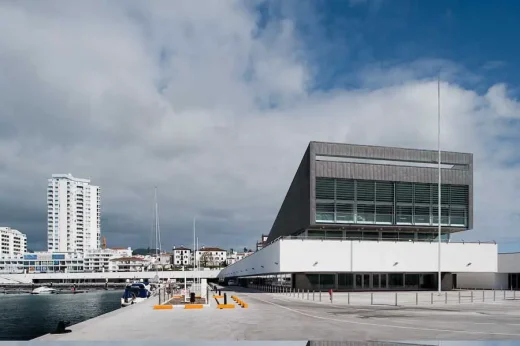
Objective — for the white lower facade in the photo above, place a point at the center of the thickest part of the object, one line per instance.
(306, 258)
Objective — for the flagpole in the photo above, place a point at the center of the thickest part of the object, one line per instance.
(439, 177)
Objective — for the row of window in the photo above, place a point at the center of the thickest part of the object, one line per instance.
(391, 203)
(389, 192)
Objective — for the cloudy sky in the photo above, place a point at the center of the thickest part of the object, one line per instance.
(215, 102)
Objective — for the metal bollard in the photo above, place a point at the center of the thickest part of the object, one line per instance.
(494, 295)
(371, 298)
(320, 295)
(307, 294)
(472, 296)
(504, 294)
(348, 298)
(225, 298)
(432, 297)
(298, 293)
(312, 295)
(459, 297)
(483, 295)
(514, 294)
(395, 298)
(416, 298)
(445, 297)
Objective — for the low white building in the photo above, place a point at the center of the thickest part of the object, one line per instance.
(42, 262)
(66, 262)
(181, 256)
(99, 260)
(210, 257)
(12, 241)
(129, 264)
(233, 257)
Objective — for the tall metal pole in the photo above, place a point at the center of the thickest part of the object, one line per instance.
(194, 246)
(439, 174)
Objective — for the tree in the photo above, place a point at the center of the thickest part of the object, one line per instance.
(204, 259)
(223, 264)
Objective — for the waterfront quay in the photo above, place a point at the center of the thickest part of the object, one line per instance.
(103, 277)
(278, 316)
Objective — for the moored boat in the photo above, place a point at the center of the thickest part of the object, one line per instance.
(135, 293)
(43, 290)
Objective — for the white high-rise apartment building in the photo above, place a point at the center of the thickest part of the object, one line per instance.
(12, 242)
(73, 214)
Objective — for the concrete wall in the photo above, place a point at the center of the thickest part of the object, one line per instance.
(509, 262)
(370, 256)
(268, 257)
(496, 281)
(315, 255)
(294, 214)
(28, 278)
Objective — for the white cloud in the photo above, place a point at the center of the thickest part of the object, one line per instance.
(195, 99)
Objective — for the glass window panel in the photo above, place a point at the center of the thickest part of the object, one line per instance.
(422, 193)
(316, 234)
(404, 192)
(345, 190)
(421, 215)
(344, 213)
(445, 215)
(458, 217)
(324, 188)
(375, 281)
(389, 235)
(395, 280)
(345, 280)
(384, 214)
(325, 207)
(366, 190)
(425, 236)
(335, 234)
(406, 236)
(445, 194)
(353, 235)
(383, 280)
(325, 212)
(365, 213)
(370, 235)
(404, 214)
(459, 195)
(384, 191)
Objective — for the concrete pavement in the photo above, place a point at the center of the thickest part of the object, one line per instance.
(277, 317)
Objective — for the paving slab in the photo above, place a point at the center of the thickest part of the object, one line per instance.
(278, 317)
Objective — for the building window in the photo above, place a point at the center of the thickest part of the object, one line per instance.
(392, 203)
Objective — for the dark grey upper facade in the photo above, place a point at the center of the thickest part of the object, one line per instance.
(352, 187)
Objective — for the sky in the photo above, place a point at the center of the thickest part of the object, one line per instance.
(215, 103)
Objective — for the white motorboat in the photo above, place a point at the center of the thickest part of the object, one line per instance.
(43, 290)
(135, 293)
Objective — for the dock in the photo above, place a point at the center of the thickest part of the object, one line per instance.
(272, 316)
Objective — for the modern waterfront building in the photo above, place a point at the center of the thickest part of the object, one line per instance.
(65, 262)
(73, 214)
(12, 241)
(366, 217)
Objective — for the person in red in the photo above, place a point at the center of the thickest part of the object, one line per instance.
(330, 295)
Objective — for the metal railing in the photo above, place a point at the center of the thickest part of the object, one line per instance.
(394, 298)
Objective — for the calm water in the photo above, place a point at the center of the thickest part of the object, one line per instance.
(25, 317)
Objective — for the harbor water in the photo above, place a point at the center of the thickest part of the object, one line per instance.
(26, 316)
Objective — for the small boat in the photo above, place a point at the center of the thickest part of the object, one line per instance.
(43, 290)
(135, 293)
